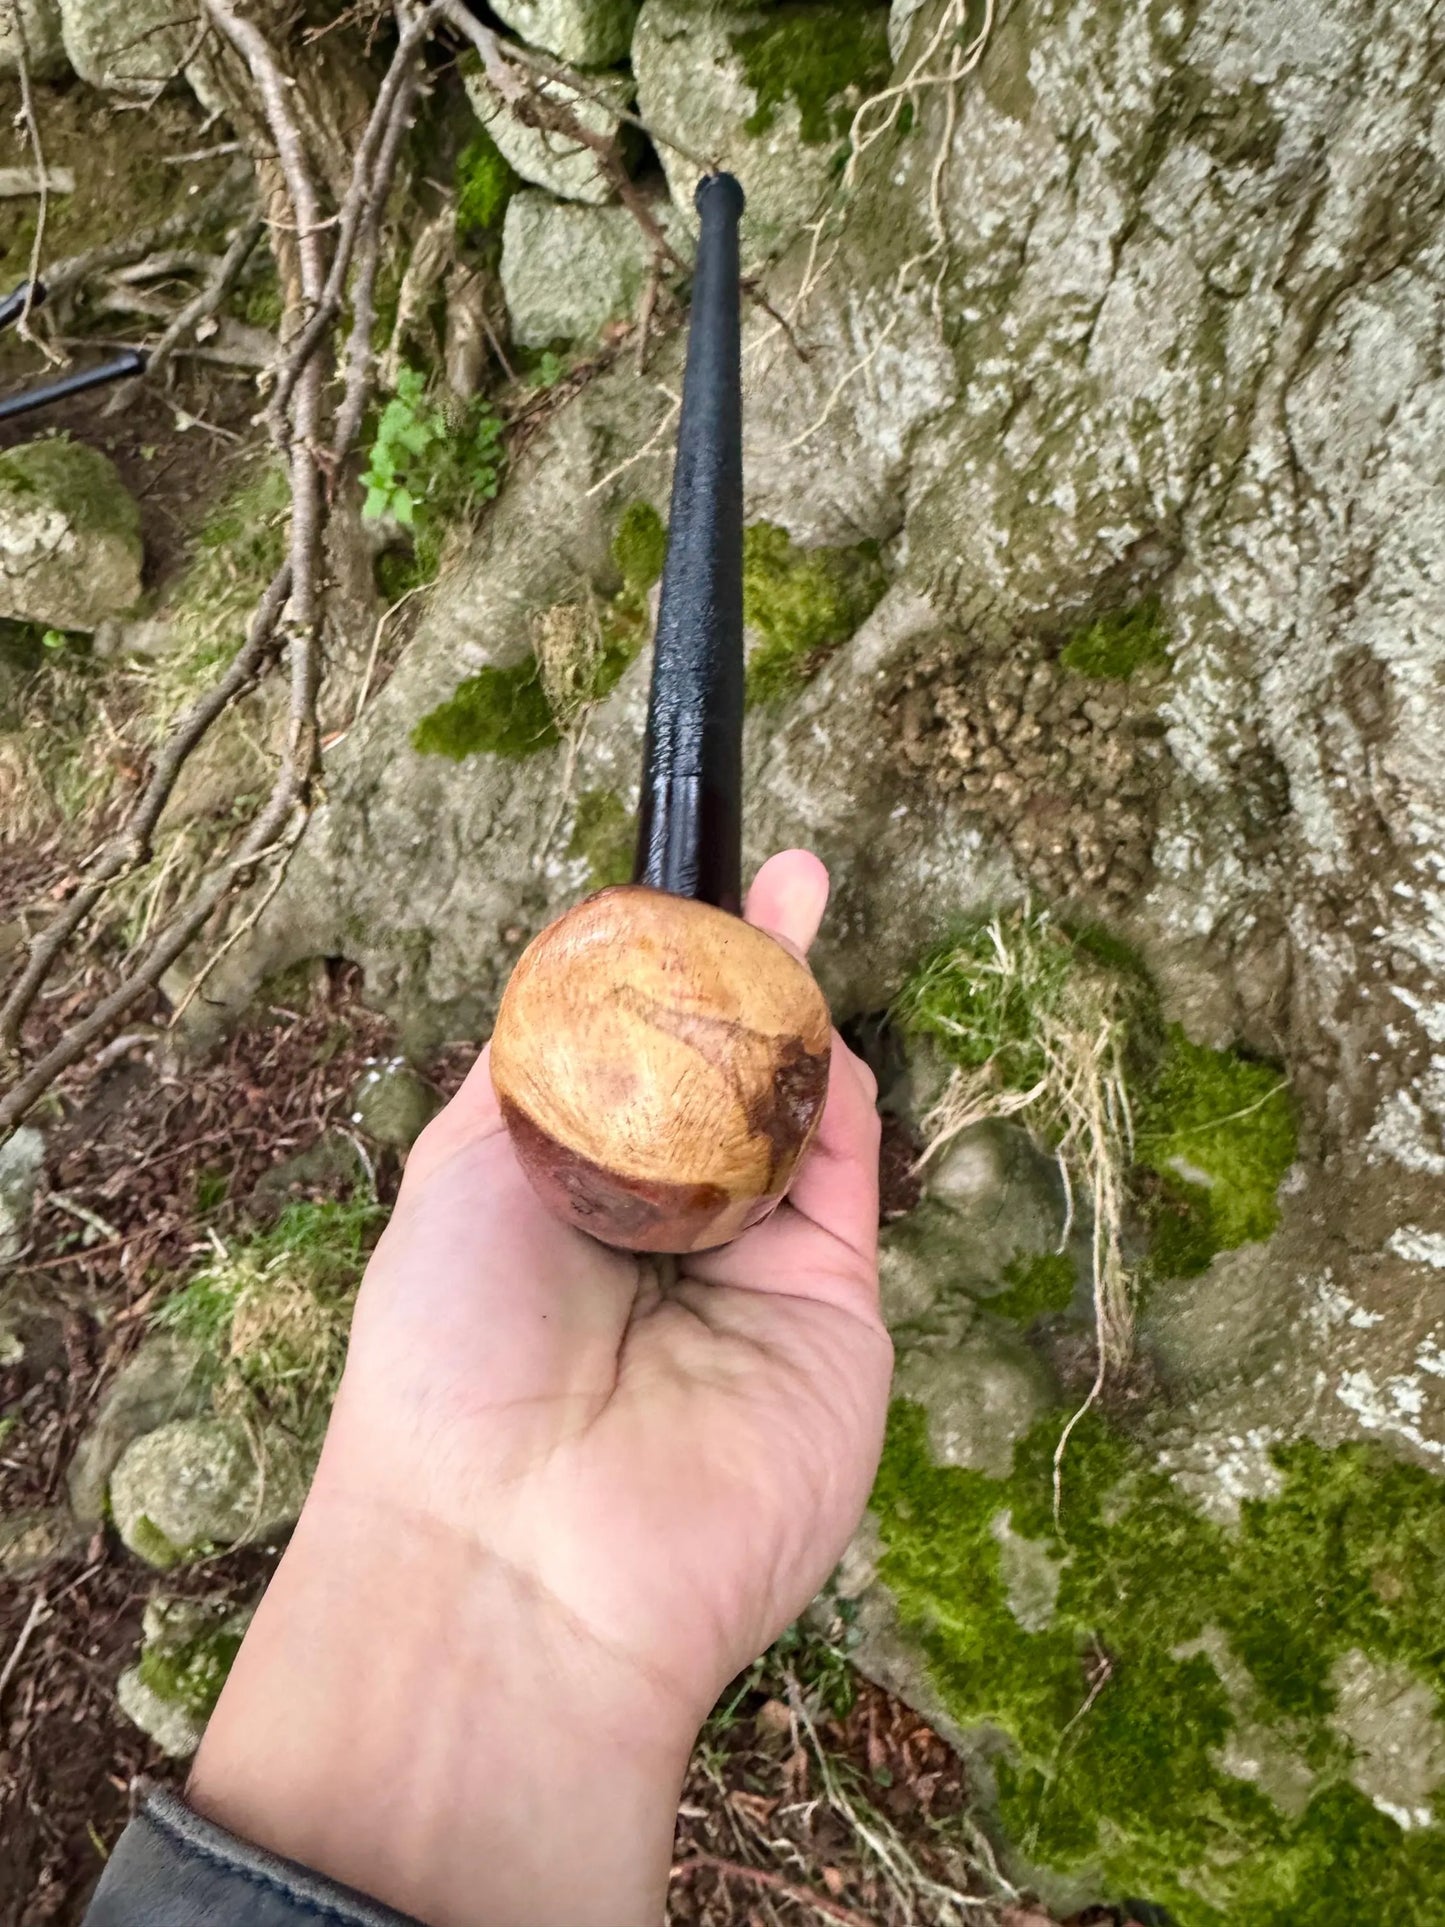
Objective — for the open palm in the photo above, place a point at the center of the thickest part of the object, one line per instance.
(667, 1467)
(566, 1495)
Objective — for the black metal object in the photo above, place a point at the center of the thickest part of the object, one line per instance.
(131, 362)
(13, 305)
(690, 829)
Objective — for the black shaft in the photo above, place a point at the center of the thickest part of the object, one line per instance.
(690, 830)
(132, 362)
(13, 305)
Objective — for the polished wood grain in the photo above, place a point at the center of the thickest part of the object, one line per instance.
(661, 1066)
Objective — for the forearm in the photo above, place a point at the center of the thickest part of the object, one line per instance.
(406, 1719)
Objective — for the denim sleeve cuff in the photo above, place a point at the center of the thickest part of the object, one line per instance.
(171, 1868)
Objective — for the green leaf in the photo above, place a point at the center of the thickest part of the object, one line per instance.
(375, 504)
(403, 507)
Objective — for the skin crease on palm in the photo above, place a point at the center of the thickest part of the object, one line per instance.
(559, 1508)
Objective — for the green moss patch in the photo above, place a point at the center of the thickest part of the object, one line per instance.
(191, 1675)
(1116, 1714)
(152, 1545)
(271, 1314)
(824, 59)
(1116, 646)
(485, 182)
(803, 603)
(1036, 1286)
(1214, 1131)
(604, 831)
(497, 712)
(1218, 1131)
(639, 548)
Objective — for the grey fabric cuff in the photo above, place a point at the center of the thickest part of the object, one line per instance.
(171, 1868)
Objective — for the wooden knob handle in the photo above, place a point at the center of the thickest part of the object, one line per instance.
(661, 1066)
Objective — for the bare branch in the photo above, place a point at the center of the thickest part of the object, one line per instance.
(131, 846)
(223, 278)
(251, 44)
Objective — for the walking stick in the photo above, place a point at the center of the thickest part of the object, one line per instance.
(662, 1065)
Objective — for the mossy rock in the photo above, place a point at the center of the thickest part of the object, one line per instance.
(497, 712)
(1218, 1131)
(195, 1484)
(485, 182)
(801, 604)
(768, 92)
(70, 542)
(1240, 1725)
(187, 1651)
(821, 60)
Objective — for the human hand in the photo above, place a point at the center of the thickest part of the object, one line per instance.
(564, 1499)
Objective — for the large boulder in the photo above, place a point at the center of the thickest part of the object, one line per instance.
(545, 158)
(567, 270)
(32, 27)
(195, 1484)
(766, 96)
(70, 543)
(585, 33)
(127, 46)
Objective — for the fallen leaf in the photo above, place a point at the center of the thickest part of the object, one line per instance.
(773, 1717)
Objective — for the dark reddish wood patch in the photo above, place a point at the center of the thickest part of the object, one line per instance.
(621, 1211)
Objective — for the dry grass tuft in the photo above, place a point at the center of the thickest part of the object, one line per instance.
(1036, 1027)
(568, 643)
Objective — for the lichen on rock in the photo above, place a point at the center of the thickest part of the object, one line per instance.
(584, 33)
(763, 91)
(568, 269)
(543, 157)
(197, 1484)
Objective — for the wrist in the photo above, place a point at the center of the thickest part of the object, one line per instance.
(409, 1717)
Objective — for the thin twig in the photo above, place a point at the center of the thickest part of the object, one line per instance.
(37, 245)
(774, 1882)
(131, 845)
(223, 278)
(33, 1618)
